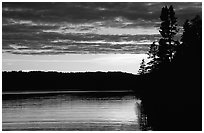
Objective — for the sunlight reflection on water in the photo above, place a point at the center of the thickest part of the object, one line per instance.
(71, 112)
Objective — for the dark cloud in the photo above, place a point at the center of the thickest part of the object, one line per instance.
(92, 11)
(55, 28)
(73, 43)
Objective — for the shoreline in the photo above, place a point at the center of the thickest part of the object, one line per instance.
(59, 92)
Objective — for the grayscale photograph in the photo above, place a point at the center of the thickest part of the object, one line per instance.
(101, 66)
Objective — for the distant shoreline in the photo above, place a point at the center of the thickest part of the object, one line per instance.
(54, 82)
(54, 92)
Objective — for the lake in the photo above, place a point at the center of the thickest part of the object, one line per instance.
(69, 111)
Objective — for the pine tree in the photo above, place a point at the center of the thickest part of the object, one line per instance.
(168, 30)
(191, 46)
(192, 31)
(142, 69)
(163, 53)
(152, 55)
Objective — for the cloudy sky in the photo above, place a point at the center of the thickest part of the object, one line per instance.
(82, 36)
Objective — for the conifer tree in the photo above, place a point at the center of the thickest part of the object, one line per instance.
(163, 53)
(191, 46)
(142, 69)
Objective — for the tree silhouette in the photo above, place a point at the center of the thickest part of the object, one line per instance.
(163, 53)
(152, 54)
(191, 46)
(176, 76)
(142, 69)
(192, 32)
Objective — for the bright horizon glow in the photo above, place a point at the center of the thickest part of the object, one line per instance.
(73, 62)
(108, 31)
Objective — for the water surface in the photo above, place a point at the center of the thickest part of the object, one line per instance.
(70, 111)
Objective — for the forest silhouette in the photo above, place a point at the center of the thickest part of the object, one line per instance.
(169, 85)
(173, 96)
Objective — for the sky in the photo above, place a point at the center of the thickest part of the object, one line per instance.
(91, 36)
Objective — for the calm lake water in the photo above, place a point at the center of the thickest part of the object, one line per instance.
(71, 111)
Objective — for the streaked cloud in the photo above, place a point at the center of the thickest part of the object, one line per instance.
(7, 9)
(61, 28)
(64, 46)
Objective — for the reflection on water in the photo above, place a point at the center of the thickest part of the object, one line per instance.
(75, 111)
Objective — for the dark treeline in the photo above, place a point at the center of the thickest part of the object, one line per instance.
(55, 81)
(172, 97)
